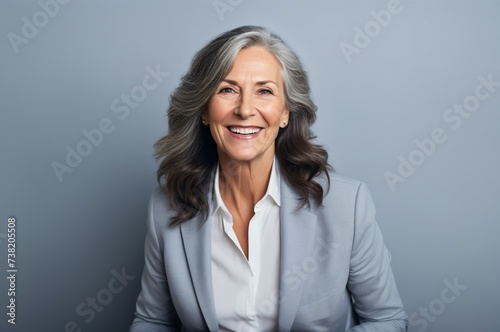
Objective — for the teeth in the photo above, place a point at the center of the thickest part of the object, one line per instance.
(244, 131)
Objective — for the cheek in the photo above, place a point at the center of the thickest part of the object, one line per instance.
(274, 115)
(218, 109)
(214, 115)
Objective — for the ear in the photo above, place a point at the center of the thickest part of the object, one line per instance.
(285, 115)
(204, 117)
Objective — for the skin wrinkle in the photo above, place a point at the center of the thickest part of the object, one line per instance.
(252, 95)
(191, 144)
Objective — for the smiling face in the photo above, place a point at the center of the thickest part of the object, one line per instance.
(248, 108)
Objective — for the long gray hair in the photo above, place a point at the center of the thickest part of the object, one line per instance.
(188, 152)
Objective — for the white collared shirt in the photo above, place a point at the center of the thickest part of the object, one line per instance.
(246, 291)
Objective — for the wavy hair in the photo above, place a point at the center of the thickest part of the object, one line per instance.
(188, 152)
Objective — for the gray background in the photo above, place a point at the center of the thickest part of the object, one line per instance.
(440, 224)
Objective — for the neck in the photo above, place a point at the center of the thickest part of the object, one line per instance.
(243, 181)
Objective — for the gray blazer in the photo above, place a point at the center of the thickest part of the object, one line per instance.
(334, 273)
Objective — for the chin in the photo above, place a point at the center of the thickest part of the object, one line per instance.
(242, 158)
(247, 155)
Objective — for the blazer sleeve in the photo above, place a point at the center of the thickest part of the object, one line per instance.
(373, 289)
(155, 311)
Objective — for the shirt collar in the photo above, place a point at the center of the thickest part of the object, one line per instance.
(273, 188)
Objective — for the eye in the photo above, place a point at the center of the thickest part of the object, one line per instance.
(265, 92)
(226, 90)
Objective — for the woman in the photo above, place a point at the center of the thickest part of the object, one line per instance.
(251, 231)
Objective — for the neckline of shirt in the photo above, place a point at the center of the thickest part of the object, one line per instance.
(273, 189)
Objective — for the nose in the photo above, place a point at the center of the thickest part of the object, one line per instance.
(245, 107)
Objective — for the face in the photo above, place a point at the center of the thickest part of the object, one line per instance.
(248, 108)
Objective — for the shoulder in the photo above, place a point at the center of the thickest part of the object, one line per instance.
(159, 210)
(343, 180)
(341, 186)
(337, 188)
(159, 201)
(345, 193)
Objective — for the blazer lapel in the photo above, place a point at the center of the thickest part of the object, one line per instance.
(298, 230)
(196, 236)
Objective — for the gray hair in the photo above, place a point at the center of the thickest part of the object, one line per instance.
(188, 151)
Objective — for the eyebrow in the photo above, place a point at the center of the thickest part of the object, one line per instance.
(257, 83)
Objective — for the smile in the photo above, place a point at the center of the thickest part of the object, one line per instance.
(244, 130)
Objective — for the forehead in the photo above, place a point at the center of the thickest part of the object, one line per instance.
(256, 61)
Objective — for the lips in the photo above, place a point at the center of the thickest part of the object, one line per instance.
(244, 130)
